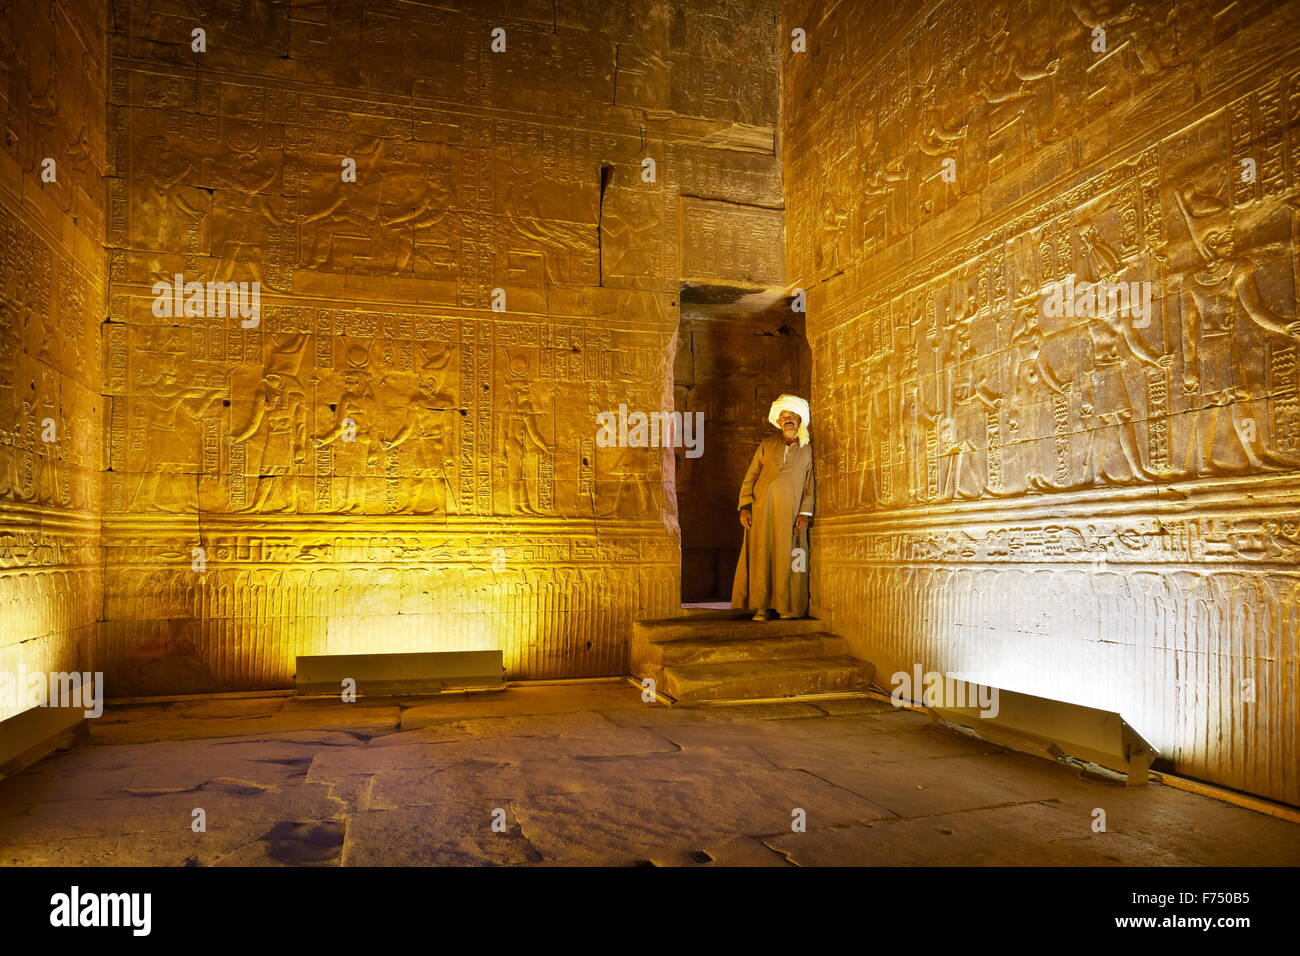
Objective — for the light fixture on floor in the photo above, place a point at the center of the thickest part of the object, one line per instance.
(391, 675)
(1045, 727)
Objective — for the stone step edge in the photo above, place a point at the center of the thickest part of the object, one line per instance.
(827, 663)
(655, 623)
(670, 635)
(834, 660)
(870, 693)
(666, 655)
(795, 699)
(729, 641)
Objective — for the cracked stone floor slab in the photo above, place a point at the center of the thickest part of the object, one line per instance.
(587, 774)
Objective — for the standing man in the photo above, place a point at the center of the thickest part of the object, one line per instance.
(776, 501)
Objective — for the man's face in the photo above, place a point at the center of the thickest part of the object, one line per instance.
(789, 423)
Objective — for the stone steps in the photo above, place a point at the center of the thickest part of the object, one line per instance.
(781, 646)
(747, 680)
(719, 628)
(724, 655)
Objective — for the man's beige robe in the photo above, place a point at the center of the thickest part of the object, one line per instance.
(779, 486)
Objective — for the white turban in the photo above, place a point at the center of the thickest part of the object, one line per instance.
(792, 403)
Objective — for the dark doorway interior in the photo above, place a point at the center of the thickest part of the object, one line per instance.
(737, 350)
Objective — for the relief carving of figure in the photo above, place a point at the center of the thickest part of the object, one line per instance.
(242, 231)
(43, 105)
(880, 176)
(344, 211)
(166, 204)
(1007, 80)
(836, 207)
(415, 199)
(937, 138)
(275, 419)
(11, 353)
(963, 441)
(52, 484)
(354, 432)
(1039, 399)
(172, 413)
(916, 415)
(524, 446)
(1220, 299)
(627, 479)
(1135, 43)
(878, 424)
(1116, 352)
(630, 229)
(1013, 77)
(428, 433)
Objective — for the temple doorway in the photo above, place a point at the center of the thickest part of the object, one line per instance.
(737, 350)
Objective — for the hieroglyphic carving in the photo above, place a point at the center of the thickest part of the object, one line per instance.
(435, 337)
(1109, 373)
(727, 242)
(52, 269)
(1030, 446)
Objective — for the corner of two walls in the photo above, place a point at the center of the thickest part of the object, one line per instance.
(1098, 508)
(53, 82)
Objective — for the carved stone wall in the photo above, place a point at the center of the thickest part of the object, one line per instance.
(52, 86)
(1101, 507)
(401, 454)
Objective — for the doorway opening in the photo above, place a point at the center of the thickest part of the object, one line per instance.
(737, 350)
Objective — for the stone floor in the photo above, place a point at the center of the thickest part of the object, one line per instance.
(587, 774)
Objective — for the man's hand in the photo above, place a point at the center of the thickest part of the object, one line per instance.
(801, 523)
(746, 518)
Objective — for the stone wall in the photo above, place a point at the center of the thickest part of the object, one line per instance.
(400, 454)
(1099, 506)
(53, 80)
